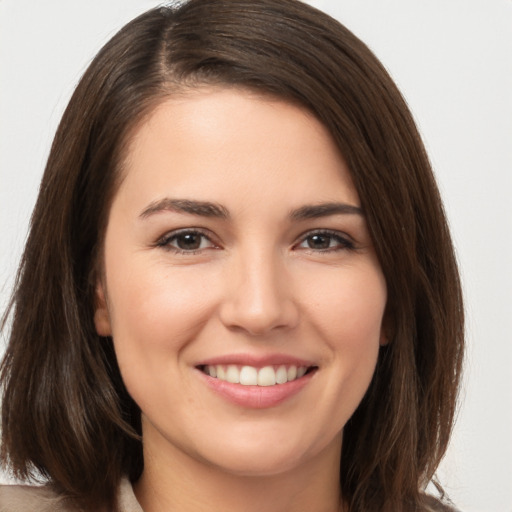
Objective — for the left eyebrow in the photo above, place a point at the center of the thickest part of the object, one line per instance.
(315, 211)
(200, 208)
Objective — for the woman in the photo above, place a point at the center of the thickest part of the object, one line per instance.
(239, 289)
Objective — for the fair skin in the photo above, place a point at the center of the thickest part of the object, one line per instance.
(236, 250)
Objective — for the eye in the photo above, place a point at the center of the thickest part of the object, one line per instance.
(186, 241)
(326, 241)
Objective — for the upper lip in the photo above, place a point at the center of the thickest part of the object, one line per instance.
(257, 361)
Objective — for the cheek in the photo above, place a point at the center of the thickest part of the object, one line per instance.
(153, 310)
(349, 307)
(155, 316)
(345, 314)
(348, 314)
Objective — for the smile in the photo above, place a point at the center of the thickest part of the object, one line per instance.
(252, 376)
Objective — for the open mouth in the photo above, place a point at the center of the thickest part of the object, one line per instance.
(252, 376)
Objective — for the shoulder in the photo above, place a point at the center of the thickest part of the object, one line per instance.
(28, 498)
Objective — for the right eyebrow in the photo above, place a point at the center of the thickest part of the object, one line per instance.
(200, 208)
(315, 211)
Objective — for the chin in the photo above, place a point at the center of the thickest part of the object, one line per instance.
(261, 464)
(262, 458)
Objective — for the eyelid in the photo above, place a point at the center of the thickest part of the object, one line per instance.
(164, 241)
(346, 241)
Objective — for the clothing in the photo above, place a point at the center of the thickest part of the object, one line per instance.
(26, 498)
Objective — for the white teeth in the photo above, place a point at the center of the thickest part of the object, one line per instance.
(292, 373)
(251, 376)
(281, 375)
(266, 376)
(233, 374)
(248, 376)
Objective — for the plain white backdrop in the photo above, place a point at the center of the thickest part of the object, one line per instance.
(452, 60)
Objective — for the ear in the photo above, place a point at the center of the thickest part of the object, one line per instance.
(386, 329)
(384, 339)
(101, 314)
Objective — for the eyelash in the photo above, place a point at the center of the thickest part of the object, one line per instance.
(343, 242)
(165, 241)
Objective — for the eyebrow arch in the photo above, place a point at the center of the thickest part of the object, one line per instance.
(201, 208)
(315, 211)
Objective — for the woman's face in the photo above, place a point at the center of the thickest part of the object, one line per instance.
(240, 287)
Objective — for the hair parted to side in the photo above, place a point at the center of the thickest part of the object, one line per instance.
(66, 414)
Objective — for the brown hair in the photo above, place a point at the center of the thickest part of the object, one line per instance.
(66, 414)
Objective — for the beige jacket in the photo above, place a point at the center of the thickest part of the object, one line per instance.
(26, 498)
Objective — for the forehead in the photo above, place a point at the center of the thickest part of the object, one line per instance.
(221, 139)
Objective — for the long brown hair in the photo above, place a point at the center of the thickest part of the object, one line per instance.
(66, 414)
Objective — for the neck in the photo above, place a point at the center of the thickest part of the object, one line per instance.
(187, 484)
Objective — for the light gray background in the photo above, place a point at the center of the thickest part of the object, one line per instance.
(452, 60)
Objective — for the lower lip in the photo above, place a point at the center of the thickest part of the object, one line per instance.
(256, 397)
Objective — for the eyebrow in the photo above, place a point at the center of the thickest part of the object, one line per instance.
(201, 208)
(215, 210)
(316, 211)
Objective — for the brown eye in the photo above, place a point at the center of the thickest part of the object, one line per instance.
(326, 241)
(186, 241)
(319, 241)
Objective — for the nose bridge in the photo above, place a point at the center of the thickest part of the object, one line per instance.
(259, 296)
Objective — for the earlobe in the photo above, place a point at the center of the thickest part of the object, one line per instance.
(384, 340)
(101, 314)
(386, 330)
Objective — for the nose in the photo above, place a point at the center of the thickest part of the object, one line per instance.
(258, 296)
